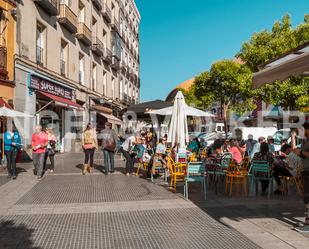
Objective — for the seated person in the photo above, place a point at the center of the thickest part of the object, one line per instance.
(287, 165)
(194, 145)
(264, 155)
(159, 159)
(236, 151)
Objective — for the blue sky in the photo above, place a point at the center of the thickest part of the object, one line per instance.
(180, 38)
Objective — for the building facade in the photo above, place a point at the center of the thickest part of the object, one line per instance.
(7, 50)
(76, 55)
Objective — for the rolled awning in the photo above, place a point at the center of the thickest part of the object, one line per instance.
(294, 65)
(3, 103)
(66, 102)
(111, 118)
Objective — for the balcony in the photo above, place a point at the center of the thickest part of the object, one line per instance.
(83, 34)
(97, 46)
(107, 56)
(50, 6)
(39, 55)
(97, 4)
(106, 12)
(115, 25)
(3, 63)
(62, 68)
(115, 64)
(67, 18)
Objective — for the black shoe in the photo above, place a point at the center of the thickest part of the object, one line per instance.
(278, 192)
(304, 229)
(14, 177)
(112, 171)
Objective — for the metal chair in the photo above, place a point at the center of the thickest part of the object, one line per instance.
(261, 171)
(195, 173)
(235, 174)
(177, 172)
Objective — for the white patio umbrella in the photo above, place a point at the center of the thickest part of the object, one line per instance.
(189, 111)
(178, 130)
(6, 112)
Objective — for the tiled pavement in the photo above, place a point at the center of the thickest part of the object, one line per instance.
(68, 210)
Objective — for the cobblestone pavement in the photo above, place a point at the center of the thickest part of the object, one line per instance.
(68, 210)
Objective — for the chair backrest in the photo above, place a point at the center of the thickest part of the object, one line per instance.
(196, 169)
(226, 160)
(261, 167)
(181, 157)
(171, 164)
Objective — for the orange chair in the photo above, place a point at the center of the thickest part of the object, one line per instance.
(235, 174)
(177, 172)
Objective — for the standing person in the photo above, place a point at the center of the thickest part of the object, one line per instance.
(39, 142)
(89, 144)
(109, 141)
(12, 144)
(256, 147)
(303, 153)
(126, 149)
(50, 150)
(250, 142)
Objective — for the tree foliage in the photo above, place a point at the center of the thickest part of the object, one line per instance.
(266, 45)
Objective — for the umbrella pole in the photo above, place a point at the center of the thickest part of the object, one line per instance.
(2, 141)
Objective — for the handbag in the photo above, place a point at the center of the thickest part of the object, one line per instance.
(50, 152)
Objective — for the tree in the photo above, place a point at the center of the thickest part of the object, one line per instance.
(265, 45)
(227, 82)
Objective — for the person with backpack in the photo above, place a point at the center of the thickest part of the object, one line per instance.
(89, 144)
(109, 141)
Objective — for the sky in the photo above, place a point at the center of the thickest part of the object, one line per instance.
(180, 39)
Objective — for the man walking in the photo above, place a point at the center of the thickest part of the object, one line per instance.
(109, 141)
(304, 155)
(39, 142)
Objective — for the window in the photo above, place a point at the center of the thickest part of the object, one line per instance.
(63, 58)
(40, 43)
(121, 88)
(104, 37)
(113, 88)
(104, 83)
(94, 27)
(94, 77)
(81, 71)
(81, 12)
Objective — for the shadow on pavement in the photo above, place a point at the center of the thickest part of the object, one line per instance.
(15, 236)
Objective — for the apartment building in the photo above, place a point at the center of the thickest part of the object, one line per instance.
(7, 38)
(76, 55)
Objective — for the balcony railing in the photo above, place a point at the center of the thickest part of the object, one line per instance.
(3, 63)
(107, 57)
(67, 18)
(115, 25)
(39, 55)
(107, 14)
(97, 46)
(84, 33)
(98, 4)
(115, 64)
(50, 6)
(62, 67)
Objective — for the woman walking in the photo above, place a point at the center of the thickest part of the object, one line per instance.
(50, 150)
(12, 144)
(90, 144)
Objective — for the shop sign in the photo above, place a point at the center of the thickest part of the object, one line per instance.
(50, 87)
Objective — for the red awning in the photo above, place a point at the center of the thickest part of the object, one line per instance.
(3, 103)
(67, 102)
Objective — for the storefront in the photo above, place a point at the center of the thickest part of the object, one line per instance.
(53, 103)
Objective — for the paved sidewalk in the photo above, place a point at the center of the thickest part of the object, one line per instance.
(68, 210)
